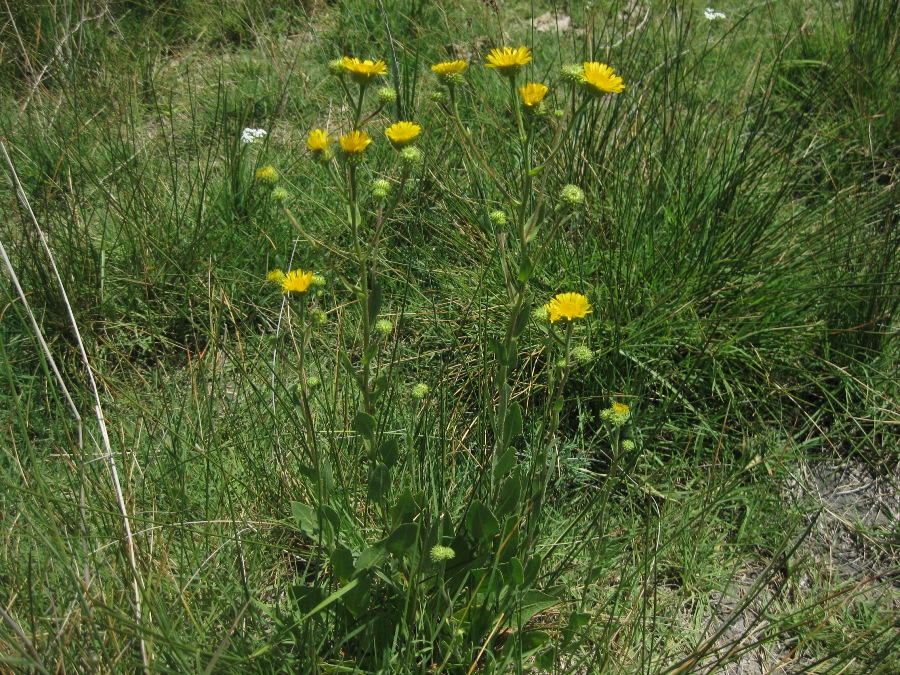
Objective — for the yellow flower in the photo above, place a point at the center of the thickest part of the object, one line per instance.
(621, 408)
(363, 72)
(402, 133)
(296, 281)
(267, 174)
(319, 140)
(568, 306)
(601, 78)
(509, 61)
(355, 142)
(275, 276)
(449, 67)
(533, 93)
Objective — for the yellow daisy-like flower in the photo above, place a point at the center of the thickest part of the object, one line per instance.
(363, 72)
(601, 79)
(533, 93)
(568, 306)
(402, 133)
(296, 281)
(267, 174)
(621, 408)
(355, 142)
(318, 140)
(275, 276)
(509, 61)
(449, 67)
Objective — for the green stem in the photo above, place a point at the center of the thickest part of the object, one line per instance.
(362, 258)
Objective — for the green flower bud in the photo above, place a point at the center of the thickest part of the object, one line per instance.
(453, 79)
(572, 195)
(381, 188)
(498, 218)
(387, 95)
(318, 280)
(582, 354)
(628, 445)
(279, 194)
(420, 391)
(572, 73)
(410, 155)
(312, 381)
(384, 327)
(317, 317)
(441, 554)
(336, 68)
(540, 314)
(437, 96)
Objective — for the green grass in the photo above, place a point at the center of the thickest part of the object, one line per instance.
(738, 246)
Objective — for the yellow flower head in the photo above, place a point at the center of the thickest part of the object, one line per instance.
(449, 67)
(296, 281)
(318, 140)
(601, 79)
(509, 61)
(533, 93)
(355, 143)
(267, 174)
(568, 306)
(402, 133)
(275, 276)
(363, 72)
(621, 408)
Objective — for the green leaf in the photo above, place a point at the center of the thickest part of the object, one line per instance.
(532, 567)
(389, 452)
(379, 483)
(532, 602)
(481, 523)
(512, 425)
(522, 319)
(364, 424)
(379, 386)
(327, 477)
(371, 557)
(342, 563)
(374, 303)
(512, 356)
(506, 462)
(371, 352)
(405, 509)
(510, 493)
(509, 540)
(305, 517)
(498, 350)
(402, 539)
(526, 269)
(516, 572)
(577, 621)
(330, 516)
(356, 594)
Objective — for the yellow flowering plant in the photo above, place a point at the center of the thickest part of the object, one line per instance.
(414, 544)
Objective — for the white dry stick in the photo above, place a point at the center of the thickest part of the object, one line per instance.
(98, 409)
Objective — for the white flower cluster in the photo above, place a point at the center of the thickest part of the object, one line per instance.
(250, 136)
(712, 15)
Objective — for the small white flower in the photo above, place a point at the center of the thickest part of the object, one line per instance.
(712, 15)
(250, 136)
